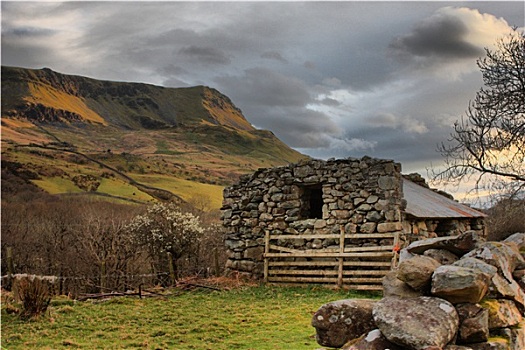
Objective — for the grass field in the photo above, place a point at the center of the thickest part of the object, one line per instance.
(255, 318)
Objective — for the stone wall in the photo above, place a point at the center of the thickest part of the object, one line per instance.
(362, 195)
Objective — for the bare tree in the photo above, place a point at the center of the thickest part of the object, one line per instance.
(488, 142)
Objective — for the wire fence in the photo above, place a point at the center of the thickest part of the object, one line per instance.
(75, 286)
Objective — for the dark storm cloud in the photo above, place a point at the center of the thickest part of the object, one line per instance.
(27, 32)
(437, 37)
(205, 55)
(274, 55)
(265, 87)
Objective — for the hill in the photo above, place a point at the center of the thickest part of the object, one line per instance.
(73, 135)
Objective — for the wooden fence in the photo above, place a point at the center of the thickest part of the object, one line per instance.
(350, 266)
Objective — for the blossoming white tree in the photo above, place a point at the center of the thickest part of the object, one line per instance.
(163, 229)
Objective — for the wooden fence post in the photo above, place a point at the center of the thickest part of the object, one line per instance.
(341, 259)
(216, 261)
(173, 279)
(266, 251)
(10, 267)
(103, 276)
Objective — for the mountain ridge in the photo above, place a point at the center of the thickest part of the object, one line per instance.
(140, 100)
(57, 127)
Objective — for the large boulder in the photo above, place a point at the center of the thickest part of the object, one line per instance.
(458, 245)
(518, 238)
(373, 340)
(394, 287)
(477, 264)
(504, 256)
(504, 289)
(443, 256)
(417, 272)
(473, 323)
(339, 322)
(459, 284)
(502, 313)
(416, 323)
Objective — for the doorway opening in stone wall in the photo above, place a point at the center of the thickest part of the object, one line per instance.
(312, 202)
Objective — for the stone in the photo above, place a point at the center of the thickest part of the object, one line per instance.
(417, 272)
(502, 313)
(459, 284)
(515, 335)
(232, 244)
(501, 288)
(505, 257)
(473, 323)
(458, 245)
(477, 264)
(254, 253)
(394, 287)
(374, 216)
(444, 257)
(388, 182)
(373, 340)
(372, 199)
(339, 322)
(368, 227)
(518, 238)
(416, 323)
(389, 227)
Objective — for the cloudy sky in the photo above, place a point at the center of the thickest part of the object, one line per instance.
(331, 79)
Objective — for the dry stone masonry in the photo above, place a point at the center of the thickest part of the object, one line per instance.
(313, 196)
(334, 216)
(474, 301)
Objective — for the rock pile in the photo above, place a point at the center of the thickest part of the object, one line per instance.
(448, 293)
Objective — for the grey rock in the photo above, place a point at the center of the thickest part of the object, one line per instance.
(416, 323)
(341, 321)
(518, 238)
(459, 284)
(477, 264)
(473, 323)
(394, 287)
(417, 272)
(505, 257)
(502, 313)
(444, 257)
(458, 245)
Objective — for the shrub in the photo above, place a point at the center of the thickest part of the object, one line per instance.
(505, 218)
(163, 229)
(34, 296)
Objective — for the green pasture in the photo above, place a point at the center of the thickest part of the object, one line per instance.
(255, 318)
(187, 190)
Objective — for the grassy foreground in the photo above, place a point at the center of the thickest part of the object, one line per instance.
(242, 318)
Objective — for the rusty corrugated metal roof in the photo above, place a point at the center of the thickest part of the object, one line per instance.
(425, 203)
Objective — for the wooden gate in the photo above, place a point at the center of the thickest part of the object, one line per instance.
(350, 266)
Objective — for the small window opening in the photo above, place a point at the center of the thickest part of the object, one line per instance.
(312, 202)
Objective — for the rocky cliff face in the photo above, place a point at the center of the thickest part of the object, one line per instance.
(47, 96)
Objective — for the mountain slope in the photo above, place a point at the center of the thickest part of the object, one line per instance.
(133, 140)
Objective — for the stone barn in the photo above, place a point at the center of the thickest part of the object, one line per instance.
(337, 222)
